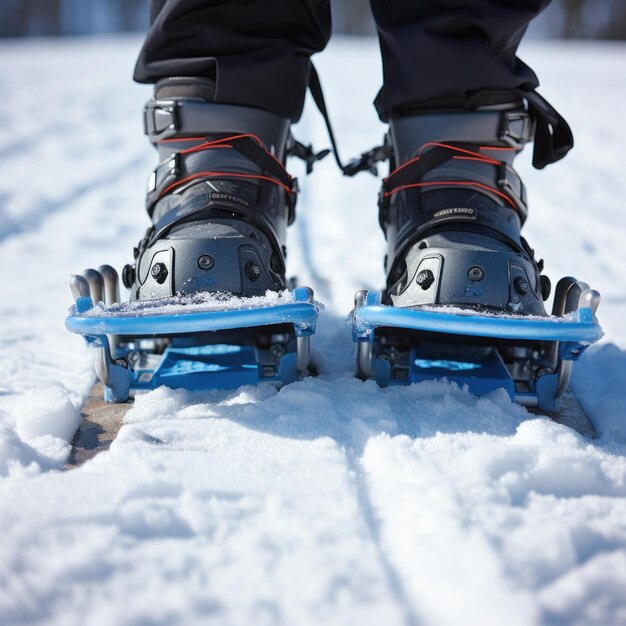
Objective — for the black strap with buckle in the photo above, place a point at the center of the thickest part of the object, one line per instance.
(553, 135)
(160, 119)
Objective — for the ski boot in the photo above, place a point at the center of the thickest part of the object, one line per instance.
(465, 294)
(452, 209)
(220, 201)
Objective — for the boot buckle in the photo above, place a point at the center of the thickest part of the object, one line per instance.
(512, 186)
(160, 119)
(516, 128)
(165, 174)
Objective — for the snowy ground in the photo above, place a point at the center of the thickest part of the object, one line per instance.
(330, 501)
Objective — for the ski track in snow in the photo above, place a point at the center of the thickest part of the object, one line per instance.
(330, 501)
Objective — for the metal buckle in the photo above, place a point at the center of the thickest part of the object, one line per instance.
(160, 119)
(516, 128)
(165, 174)
(511, 184)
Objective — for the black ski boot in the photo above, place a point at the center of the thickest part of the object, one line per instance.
(464, 295)
(452, 209)
(220, 200)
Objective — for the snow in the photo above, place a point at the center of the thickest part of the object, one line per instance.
(330, 501)
(36, 429)
(455, 310)
(196, 303)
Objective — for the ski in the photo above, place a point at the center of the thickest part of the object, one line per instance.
(100, 424)
(571, 414)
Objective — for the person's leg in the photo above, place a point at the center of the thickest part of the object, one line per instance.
(254, 53)
(461, 106)
(230, 77)
(442, 53)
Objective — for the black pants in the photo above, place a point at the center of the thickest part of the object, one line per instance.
(436, 53)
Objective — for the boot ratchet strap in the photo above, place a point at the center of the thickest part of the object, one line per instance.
(164, 119)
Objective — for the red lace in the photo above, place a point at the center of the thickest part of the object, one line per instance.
(464, 154)
(223, 144)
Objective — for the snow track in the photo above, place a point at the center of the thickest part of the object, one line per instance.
(330, 501)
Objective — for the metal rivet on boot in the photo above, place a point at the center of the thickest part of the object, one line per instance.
(128, 275)
(253, 271)
(521, 285)
(205, 262)
(425, 279)
(159, 272)
(476, 273)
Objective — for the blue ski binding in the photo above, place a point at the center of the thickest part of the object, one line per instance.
(195, 350)
(530, 357)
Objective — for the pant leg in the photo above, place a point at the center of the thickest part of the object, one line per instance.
(256, 51)
(441, 53)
